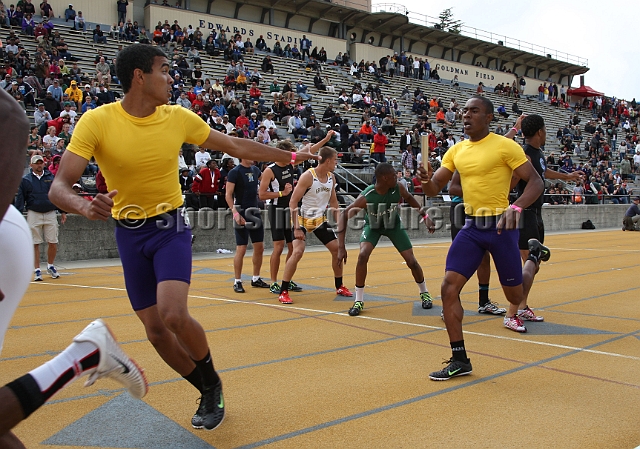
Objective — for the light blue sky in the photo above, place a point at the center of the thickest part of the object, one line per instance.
(585, 29)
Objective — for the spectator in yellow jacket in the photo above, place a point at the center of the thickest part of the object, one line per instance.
(74, 93)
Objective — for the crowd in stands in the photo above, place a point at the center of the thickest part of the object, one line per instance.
(250, 102)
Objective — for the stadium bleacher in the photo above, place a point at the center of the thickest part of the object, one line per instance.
(85, 50)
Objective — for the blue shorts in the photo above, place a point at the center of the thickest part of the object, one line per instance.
(474, 239)
(151, 252)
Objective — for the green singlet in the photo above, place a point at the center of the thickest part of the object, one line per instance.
(382, 218)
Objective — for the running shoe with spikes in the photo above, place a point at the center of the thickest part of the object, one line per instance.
(114, 363)
(356, 308)
(210, 413)
(274, 288)
(343, 291)
(284, 298)
(528, 315)
(427, 301)
(294, 287)
(492, 309)
(538, 250)
(514, 323)
(454, 368)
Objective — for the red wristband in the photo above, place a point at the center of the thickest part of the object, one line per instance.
(293, 158)
(518, 208)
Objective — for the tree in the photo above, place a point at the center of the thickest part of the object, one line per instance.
(447, 22)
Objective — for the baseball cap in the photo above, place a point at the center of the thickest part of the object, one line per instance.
(76, 185)
(87, 86)
(305, 140)
(74, 82)
(40, 104)
(37, 158)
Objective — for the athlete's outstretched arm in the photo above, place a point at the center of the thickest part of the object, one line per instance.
(432, 183)
(248, 149)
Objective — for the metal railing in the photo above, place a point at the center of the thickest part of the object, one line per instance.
(487, 36)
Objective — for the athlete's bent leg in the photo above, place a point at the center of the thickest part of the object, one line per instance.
(292, 263)
(332, 246)
(529, 271)
(165, 342)
(412, 263)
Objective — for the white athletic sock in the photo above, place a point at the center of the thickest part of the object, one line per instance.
(360, 294)
(49, 374)
(255, 278)
(237, 280)
(423, 287)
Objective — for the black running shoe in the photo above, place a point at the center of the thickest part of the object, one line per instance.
(210, 413)
(238, 288)
(293, 287)
(454, 368)
(259, 283)
(538, 250)
(356, 308)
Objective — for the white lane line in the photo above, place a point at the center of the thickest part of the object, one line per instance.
(364, 317)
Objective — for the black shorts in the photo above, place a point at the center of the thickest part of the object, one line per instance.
(280, 221)
(324, 233)
(531, 227)
(253, 228)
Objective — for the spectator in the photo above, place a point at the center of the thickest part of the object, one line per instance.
(74, 93)
(70, 14)
(380, 142)
(296, 126)
(33, 195)
(46, 10)
(366, 132)
(98, 35)
(301, 91)
(41, 115)
(632, 216)
(267, 65)
(202, 156)
(28, 25)
(205, 185)
(122, 10)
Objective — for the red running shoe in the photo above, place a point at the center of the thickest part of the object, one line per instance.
(284, 298)
(343, 291)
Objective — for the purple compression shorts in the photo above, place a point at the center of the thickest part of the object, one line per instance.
(155, 250)
(479, 235)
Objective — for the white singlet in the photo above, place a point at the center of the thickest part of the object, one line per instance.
(315, 202)
(16, 264)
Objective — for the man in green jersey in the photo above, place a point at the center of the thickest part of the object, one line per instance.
(380, 202)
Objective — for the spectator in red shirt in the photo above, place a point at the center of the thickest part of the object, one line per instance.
(366, 132)
(255, 93)
(380, 142)
(242, 119)
(205, 185)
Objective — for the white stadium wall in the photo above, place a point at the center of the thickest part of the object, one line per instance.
(94, 11)
(207, 22)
